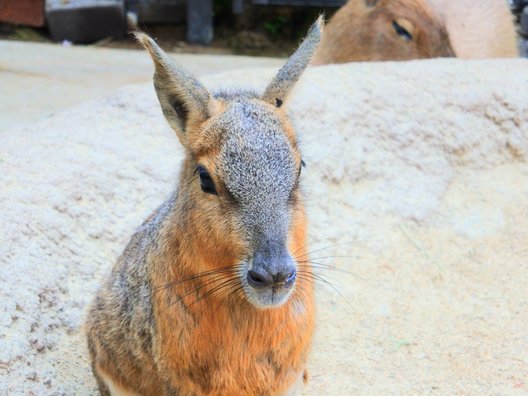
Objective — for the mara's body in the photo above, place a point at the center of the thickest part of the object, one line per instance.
(213, 294)
(149, 334)
(479, 28)
(384, 30)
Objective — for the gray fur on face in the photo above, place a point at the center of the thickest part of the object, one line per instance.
(259, 169)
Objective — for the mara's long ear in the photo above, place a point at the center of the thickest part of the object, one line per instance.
(279, 88)
(183, 99)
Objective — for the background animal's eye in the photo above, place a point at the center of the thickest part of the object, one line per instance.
(206, 182)
(401, 31)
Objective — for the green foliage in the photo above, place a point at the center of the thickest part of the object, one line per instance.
(275, 26)
(221, 7)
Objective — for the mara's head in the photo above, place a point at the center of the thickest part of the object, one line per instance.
(382, 30)
(239, 184)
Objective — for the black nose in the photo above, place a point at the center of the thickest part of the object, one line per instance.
(260, 279)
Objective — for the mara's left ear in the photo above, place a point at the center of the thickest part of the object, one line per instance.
(279, 88)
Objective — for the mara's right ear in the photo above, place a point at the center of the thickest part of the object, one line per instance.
(279, 88)
(183, 99)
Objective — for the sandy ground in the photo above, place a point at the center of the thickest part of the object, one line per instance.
(37, 80)
(416, 185)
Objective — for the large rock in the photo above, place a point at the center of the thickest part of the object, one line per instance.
(417, 185)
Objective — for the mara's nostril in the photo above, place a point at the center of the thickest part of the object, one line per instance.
(284, 277)
(291, 277)
(256, 280)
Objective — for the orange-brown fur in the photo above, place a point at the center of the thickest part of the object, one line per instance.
(158, 325)
(258, 332)
(362, 30)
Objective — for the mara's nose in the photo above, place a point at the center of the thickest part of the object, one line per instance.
(261, 279)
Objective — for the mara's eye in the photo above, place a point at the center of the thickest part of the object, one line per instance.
(206, 182)
(401, 31)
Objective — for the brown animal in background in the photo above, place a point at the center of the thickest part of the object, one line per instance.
(213, 294)
(382, 30)
(479, 28)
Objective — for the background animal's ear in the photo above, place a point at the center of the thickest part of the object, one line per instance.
(371, 3)
(183, 99)
(281, 85)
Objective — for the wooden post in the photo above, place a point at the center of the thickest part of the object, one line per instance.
(200, 21)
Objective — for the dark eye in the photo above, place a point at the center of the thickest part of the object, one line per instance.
(206, 182)
(401, 31)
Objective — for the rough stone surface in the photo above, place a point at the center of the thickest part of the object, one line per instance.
(416, 184)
